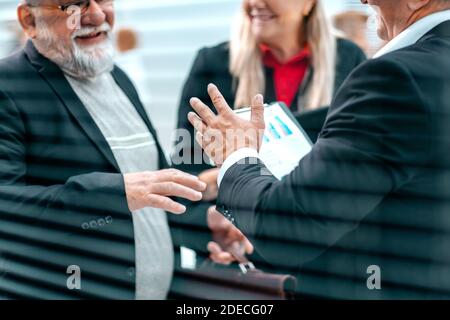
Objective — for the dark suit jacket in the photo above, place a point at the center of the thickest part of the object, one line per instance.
(375, 189)
(212, 66)
(62, 197)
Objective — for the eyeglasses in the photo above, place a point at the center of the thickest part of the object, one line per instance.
(83, 5)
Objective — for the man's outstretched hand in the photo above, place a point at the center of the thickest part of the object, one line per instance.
(222, 134)
(154, 189)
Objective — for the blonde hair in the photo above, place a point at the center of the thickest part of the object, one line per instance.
(247, 68)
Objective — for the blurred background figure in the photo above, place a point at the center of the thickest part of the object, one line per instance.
(126, 40)
(354, 26)
(286, 50)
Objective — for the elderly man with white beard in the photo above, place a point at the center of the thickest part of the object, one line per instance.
(84, 184)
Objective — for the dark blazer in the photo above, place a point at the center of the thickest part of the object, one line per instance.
(62, 197)
(374, 191)
(212, 66)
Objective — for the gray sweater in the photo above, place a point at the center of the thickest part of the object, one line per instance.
(135, 150)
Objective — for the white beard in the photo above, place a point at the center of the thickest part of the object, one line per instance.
(77, 61)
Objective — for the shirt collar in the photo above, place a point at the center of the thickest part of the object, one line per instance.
(270, 60)
(414, 32)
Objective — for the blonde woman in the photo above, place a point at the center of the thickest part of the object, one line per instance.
(286, 50)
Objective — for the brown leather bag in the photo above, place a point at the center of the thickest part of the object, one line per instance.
(213, 282)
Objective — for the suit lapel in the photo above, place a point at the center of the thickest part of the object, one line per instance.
(55, 78)
(127, 87)
(269, 94)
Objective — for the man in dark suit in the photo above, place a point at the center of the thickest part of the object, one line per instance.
(83, 180)
(366, 213)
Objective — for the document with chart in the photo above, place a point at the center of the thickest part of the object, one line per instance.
(285, 142)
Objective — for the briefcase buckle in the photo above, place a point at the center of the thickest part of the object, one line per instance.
(246, 267)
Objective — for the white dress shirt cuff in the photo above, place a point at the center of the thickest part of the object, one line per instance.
(234, 158)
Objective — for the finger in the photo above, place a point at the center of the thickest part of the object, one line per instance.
(196, 122)
(217, 252)
(203, 111)
(241, 243)
(218, 100)
(218, 255)
(164, 203)
(173, 189)
(257, 110)
(182, 178)
(214, 248)
(249, 248)
(222, 258)
(209, 175)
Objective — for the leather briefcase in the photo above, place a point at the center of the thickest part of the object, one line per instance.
(214, 282)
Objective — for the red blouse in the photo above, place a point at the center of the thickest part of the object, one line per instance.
(289, 76)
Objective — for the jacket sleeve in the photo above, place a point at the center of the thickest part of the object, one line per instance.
(375, 135)
(80, 200)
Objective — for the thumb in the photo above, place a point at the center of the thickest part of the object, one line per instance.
(257, 116)
(248, 246)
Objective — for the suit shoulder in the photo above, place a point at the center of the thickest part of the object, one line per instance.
(12, 64)
(219, 49)
(377, 72)
(431, 54)
(406, 60)
(218, 52)
(388, 69)
(349, 50)
(347, 45)
(213, 59)
(15, 72)
(387, 76)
